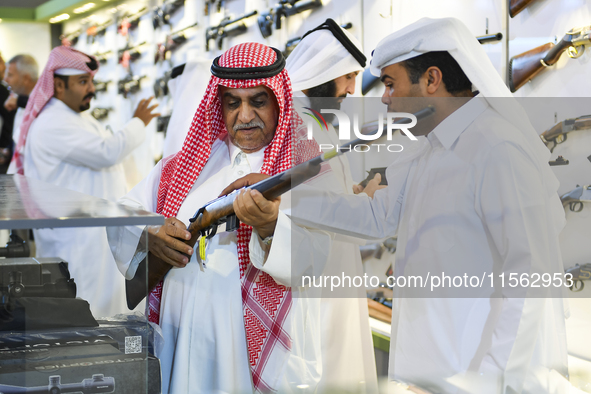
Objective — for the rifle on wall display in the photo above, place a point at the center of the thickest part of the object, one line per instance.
(576, 197)
(130, 84)
(558, 133)
(173, 41)
(293, 43)
(97, 31)
(100, 113)
(516, 6)
(129, 54)
(285, 8)
(208, 6)
(161, 85)
(227, 28)
(579, 273)
(524, 67)
(368, 81)
(130, 21)
(162, 123)
(103, 57)
(163, 13)
(70, 38)
(101, 86)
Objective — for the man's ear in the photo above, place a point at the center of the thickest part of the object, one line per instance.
(58, 86)
(434, 79)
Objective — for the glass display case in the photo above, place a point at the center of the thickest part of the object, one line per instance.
(64, 323)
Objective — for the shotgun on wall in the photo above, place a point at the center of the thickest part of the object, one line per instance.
(221, 210)
(368, 81)
(524, 67)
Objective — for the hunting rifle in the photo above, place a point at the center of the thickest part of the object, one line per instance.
(100, 86)
(130, 84)
(525, 66)
(100, 113)
(576, 197)
(134, 52)
(579, 273)
(162, 14)
(221, 210)
(557, 134)
(227, 28)
(173, 41)
(285, 8)
(97, 30)
(102, 57)
(368, 81)
(130, 21)
(516, 6)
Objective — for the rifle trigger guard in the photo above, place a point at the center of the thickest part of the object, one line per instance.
(575, 51)
(576, 206)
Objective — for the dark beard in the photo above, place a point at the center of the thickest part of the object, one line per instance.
(321, 98)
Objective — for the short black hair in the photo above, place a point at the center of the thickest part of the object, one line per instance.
(64, 78)
(452, 74)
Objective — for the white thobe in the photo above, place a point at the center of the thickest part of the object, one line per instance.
(201, 312)
(465, 199)
(74, 151)
(16, 132)
(348, 361)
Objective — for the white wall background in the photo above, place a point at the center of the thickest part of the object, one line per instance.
(25, 38)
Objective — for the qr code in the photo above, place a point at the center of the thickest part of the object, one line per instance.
(133, 345)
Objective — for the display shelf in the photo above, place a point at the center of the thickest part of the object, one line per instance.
(27, 203)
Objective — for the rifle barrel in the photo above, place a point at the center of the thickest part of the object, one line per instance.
(490, 38)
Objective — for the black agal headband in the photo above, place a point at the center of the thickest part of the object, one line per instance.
(340, 35)
(248, 72)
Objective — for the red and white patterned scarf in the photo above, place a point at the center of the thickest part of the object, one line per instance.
(266, 304)
(60, 57)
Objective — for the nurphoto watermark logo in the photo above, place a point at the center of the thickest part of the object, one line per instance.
(394, 121)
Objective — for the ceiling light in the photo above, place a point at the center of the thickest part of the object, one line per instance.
(59, 18)
(84, 8)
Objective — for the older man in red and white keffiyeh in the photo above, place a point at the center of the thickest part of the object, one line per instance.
(232, 323)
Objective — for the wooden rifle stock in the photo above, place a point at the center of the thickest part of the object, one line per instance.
(524, 67)
(516, 6)
(210, 216)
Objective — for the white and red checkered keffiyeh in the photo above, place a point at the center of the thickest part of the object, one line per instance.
(60, 57)
(266, 304)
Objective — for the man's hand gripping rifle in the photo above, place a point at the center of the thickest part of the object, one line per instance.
(221, 210)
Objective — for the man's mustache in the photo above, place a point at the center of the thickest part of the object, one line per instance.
(90, 95)
(248, 125)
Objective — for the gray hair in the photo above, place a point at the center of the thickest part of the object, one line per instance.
(26, 64)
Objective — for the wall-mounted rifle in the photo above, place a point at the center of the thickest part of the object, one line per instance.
(163, 13)
(130, 84)
(221, 210)
(103, 57)
(284, 9)
(130, 22)
(524, 67)
(173, 41)
(100, 86)
(95, 31)
(129, 54)
(516, 6)
(100, 113)
(228, 27)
